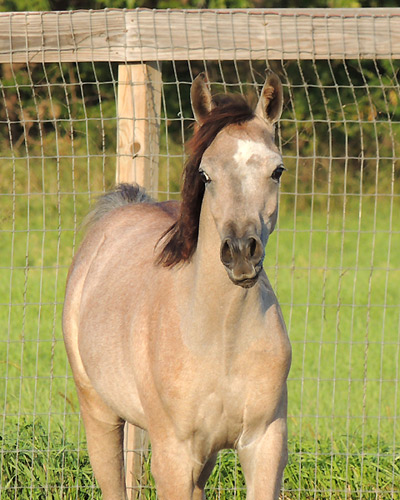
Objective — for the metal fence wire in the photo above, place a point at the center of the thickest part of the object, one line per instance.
(333, 260)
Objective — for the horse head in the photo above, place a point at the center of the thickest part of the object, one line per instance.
(240, 170)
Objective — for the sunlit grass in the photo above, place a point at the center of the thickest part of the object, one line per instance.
(335, 267)
(37, 466)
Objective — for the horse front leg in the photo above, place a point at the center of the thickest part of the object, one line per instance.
(199, 493)
(177, 473)
(264, 460)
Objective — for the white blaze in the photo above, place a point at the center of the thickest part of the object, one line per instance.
(265, 160)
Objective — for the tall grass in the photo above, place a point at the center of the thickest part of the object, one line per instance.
(37, 467)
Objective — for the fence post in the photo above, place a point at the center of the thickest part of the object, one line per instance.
(139, 107)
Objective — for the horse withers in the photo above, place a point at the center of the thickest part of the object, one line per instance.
(170, 322)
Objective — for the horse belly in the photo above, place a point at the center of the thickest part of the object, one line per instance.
(110, 371)
(109, 351)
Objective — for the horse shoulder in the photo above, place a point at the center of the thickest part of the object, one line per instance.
(266, 353)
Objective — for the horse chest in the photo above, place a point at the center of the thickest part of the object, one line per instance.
(246, 354)
(251, 381)
(219, 397)
(219, 378)
(229, 405)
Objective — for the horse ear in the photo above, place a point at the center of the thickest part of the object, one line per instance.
(201, 98)
(270, 103)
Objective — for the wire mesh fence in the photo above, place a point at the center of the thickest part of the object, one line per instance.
(333, 260)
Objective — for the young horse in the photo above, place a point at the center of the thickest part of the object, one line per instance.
(170, 322)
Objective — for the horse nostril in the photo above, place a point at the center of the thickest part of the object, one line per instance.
(252, 247)
(226, 252)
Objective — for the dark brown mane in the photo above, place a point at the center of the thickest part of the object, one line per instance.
(180, 240)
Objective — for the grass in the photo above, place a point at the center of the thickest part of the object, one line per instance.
(335, 266)
(37, 467)
(339, 295)
(343, 322)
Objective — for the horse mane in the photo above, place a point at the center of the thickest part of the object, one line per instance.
(180, 240)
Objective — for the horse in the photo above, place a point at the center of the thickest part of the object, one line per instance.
(170, 322)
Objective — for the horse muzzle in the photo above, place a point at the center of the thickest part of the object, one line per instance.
(243, 259)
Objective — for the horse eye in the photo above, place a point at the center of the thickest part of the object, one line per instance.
(204, 177)
(276, 174)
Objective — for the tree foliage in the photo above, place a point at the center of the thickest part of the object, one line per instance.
(333, 108)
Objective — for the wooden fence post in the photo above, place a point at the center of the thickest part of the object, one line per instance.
(139, 107)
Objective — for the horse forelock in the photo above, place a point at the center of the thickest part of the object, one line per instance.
(180, 240)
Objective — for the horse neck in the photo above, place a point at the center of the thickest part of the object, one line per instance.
(209, 271)
(214, 298)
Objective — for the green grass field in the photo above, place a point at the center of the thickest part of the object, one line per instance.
(335, 265)
(339, 293)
